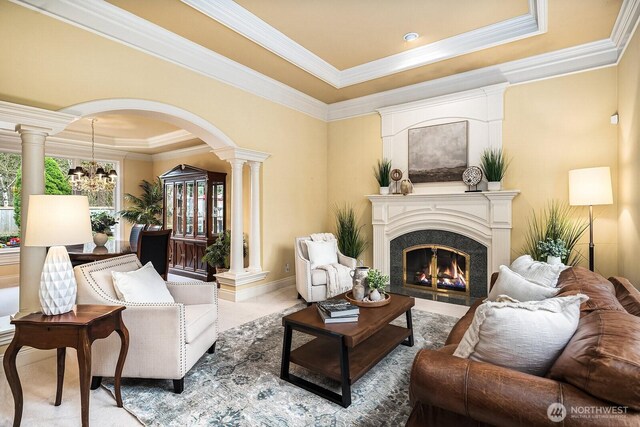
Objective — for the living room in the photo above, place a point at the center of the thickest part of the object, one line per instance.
(556, 94)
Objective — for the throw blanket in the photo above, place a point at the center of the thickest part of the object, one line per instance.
(322, 237)
(338, 278)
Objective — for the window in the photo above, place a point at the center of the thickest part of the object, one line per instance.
(57, 183)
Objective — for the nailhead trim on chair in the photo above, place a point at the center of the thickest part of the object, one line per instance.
(126, 259)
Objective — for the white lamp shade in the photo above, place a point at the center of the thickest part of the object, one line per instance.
(57, 220)
(591, 186)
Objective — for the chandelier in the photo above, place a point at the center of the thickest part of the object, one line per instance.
(95, 178)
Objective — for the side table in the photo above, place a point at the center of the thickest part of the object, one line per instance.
(78, 329)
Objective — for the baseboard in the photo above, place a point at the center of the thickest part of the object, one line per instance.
(29, 355)
(243, 294)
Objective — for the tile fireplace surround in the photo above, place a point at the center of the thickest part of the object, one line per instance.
(484, 217)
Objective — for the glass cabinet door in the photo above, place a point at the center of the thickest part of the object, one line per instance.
(179, 208)
(190, 208)
(201, 229)
(168, 212)
(217, 211)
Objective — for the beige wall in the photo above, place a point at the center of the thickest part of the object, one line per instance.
(628, 158)
(133, 171)
(555, 125)
(355, 146)
(294, 177)
(550, 127)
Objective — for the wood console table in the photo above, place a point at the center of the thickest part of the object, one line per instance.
(78, 329)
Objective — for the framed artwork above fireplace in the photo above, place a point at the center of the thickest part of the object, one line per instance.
(438, 153)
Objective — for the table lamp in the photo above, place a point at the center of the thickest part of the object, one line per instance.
(588, 187)
(55, 221)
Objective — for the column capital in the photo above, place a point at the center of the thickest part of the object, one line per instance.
(229, 153)
(236, 162)
(33, 130)
(254, 165)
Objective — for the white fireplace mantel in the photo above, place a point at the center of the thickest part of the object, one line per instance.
(484, 216)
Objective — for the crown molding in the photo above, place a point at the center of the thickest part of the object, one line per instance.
(625, 24)
(552, 64)
(245, 23)
(235, 153)
(102, 18)
(240, 20)
(157, 141)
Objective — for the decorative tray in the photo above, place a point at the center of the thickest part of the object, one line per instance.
(382, 302)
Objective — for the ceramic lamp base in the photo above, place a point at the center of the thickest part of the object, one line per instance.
(57, 284)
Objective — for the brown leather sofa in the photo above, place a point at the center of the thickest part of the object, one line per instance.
(596, 378)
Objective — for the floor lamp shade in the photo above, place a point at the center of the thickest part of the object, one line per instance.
(588, 187)
(591, 186)
(55, 221)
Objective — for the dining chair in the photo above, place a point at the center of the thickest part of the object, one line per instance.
(154, 228)
(154, 246)
(134, 235)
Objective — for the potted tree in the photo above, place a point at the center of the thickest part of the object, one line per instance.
(218, 254)
(494, 165)
(147, 208)
(101, 223)
(382, 172)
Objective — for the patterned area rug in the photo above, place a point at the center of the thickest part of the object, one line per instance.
(240, 384)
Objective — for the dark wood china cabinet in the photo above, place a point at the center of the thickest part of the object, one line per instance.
(194, 208)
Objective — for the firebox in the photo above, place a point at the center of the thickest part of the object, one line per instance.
(437, 268)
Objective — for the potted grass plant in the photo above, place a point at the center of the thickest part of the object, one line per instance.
(348, 233)
(494, 165)
(382, 172)
(555, 223)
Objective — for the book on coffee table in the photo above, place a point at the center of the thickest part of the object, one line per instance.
(338, 308)
(342, 319)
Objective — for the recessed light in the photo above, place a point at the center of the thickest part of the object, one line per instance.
(409, 37)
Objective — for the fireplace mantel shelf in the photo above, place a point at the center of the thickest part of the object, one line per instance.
(457, 194)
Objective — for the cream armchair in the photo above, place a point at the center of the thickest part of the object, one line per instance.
(165, 339)
(312, 284)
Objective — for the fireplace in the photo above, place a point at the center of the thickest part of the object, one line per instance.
(437, 268)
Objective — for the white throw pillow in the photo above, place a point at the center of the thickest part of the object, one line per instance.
(142, 285)
(525, 336)
(322, 252)
(538, 272)
(519, 288)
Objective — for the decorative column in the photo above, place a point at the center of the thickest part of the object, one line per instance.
(31, 258)
(254, 236)
(237, 231)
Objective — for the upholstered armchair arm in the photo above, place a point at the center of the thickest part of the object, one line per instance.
(491, 394)
(347, 261)
(303, 269)
(189, 293)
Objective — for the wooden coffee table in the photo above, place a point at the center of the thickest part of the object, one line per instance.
(344, 351)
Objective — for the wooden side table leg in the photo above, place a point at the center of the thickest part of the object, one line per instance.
(62, 352)
(286, 352)
(124, 347)
(84, 365)
(10, 370)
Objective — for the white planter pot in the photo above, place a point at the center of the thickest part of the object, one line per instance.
(384, 190)
(553, 260)
(494, 185)
(100, 239)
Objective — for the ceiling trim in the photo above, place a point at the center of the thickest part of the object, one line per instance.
(107, 20)
(240, 20)
(102, 18)
(182, 152)
(52, 122)
(157, 141)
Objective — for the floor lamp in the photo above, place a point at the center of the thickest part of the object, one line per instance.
(589, 187)
(54, 221)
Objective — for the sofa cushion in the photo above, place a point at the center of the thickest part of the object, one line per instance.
(198, 318)
(601, 293)
(517, 287)
(536, 271)
(322, 252)
(142, 285)
(603, 357)
(627, 294)
(525, 336)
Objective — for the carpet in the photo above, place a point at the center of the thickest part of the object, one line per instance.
(240, 384)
